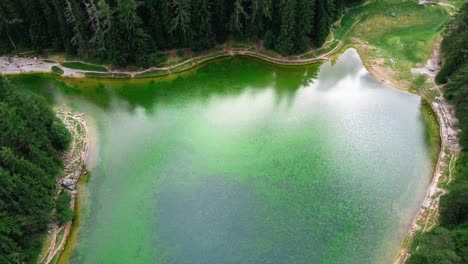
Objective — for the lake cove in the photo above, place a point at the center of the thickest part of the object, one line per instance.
(246, 162)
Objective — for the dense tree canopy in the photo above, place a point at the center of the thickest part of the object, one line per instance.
(449, 243)
(122, 31)
(31, 137)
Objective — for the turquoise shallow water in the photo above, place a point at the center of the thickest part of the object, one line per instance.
(244, 162)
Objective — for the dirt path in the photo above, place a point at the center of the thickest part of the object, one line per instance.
(428, 213)
(74, 160)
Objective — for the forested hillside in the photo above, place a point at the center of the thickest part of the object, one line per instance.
(131, 32)
(31, 137)
(448, 243)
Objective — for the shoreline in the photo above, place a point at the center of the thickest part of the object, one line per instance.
(18, 65)
(428, 213)
(74, 170)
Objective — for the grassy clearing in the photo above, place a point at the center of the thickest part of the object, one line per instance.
(151, 73)
(433, 130)
(408, 37)
(107, 75)
(84, 66)
(57, 70)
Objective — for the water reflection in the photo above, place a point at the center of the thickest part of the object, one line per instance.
(223, 78)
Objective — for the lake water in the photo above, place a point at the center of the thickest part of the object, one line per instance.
(245, 162)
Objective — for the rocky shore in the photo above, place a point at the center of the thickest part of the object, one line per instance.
(74, 167)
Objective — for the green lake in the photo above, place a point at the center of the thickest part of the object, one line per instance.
(241, 161)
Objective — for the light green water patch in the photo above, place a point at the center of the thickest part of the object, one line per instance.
(245, 162)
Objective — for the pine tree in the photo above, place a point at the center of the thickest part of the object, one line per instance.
(182, 17)
(75, 20)
(127, 40)
(159, 21)
(322, 24)
(261, 12)
(220, 19)
(99, 19)
(238, 17)
(202, 26)
(285, 43)
(305, 19)
(123, 31)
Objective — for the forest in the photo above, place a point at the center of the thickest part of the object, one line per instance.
(130, 32)
(448, 243)
(31, 139)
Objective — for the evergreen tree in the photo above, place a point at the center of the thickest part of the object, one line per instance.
(99, 19)
(127, 40)
(322, 24)
(75, 20)
(181, 22)
(31, 138)
(285, 44)
(133, 32)
(159, 21)
(220, 19)
(261, 12)
(269, 40)
(203, 34)
(238, 17)
(305, 20)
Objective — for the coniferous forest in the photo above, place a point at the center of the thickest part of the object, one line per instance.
(133, 32)
(31, 138)
(448, 243)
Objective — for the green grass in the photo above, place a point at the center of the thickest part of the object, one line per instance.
(84, 66)
(57, 70)
(457, 3)
(151, 73)
(107, 75)
(433, 130)
(408, 38)
(50, 61)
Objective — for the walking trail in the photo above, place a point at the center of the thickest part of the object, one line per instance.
(16, 65)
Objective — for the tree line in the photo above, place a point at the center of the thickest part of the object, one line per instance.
(31, 139)
(132, 32)
(448, 243)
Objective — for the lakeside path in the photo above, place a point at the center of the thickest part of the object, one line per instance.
(74, 160)
(17, 65)
(427, 217)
